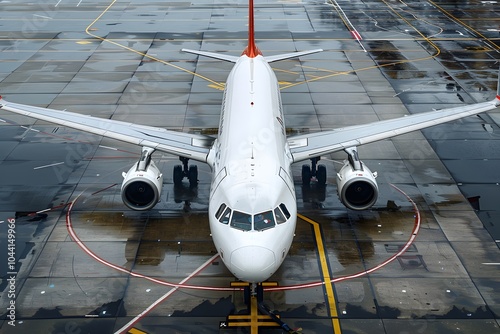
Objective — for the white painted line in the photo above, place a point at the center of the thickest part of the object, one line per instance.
(108, 147)
(43, 17)
(51, 165)
(491, 264)
(354, 32)
(57, 4)
(29, 128)
(165, 296)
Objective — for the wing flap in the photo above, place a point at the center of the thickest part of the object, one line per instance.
(193, 146)
(312, 145)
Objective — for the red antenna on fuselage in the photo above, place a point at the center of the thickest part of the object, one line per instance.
(251, 50)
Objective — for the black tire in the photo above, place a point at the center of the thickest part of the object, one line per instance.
(193, 176)
(306, 175)
(178, 175)
(321, 175)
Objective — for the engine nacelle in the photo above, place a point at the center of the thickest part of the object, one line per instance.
(141, 187)
(357, 188)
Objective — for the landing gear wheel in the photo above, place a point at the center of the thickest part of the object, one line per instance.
(178, 175)
(306, 175)
(193, 176)
(321, 175)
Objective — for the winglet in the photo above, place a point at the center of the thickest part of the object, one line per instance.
(251, 50)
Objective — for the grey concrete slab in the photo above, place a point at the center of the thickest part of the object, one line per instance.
(442, 277)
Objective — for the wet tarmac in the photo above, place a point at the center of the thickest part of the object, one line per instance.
(86, 264)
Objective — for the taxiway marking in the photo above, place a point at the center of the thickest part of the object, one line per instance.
(146, 55)
(136, 331)
(325, 272)
(165, 296)
(83, 246)
(343, 16)
(51, 165)
(416, 228)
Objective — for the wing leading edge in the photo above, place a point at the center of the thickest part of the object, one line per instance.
(312, 145)
(193, 146)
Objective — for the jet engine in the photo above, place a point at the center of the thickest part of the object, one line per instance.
(142, 184)
(356, 185)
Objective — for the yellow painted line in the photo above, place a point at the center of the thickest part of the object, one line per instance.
(219, 86)
(425, 38)
(254, 316)
(341, 16)
(327, 280)
(444, 11)
(136, 331)
(89, 29)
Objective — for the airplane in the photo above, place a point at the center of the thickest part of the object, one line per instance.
(252, 205)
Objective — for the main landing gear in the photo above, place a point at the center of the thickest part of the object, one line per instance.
(186, 170)
(314, 170)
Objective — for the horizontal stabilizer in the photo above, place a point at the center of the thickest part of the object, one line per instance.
(284, 56)
(220, 56)
(234, 59)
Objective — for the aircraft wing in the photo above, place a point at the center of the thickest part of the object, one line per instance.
(193, 146)
(313, 145)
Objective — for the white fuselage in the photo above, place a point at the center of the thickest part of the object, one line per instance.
(252, 209)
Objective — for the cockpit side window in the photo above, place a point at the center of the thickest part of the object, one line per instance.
(220, 210)
(263, 220)
(224, 219)
(280, 217)
(285, 210)
(241, 221)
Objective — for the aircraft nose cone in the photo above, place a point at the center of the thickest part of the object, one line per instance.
(253, 264)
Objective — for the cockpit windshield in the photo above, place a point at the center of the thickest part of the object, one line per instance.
(263, 220)
(241, 221)
(258, 222)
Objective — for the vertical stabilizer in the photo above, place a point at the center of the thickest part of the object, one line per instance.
(251, 50)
